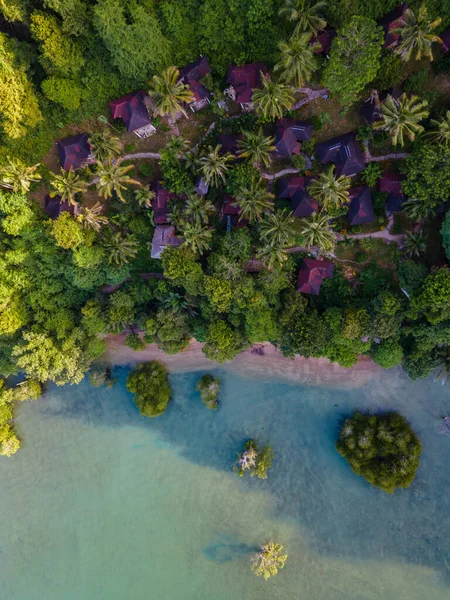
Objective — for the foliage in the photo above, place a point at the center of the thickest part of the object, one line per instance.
(416, 37)
(354, 59)
(208, 386)
(267, 562)
(222, 343)
(67, 185)
(428, 174)
(381, 448)
(150, 386)
(168, 94)
(440, 134)
(67, 232)
(371, 174)
(445, 233)
(388, 354)
(101, 375)
(16, 176)
(255, 461)
(214, 165)
(113, 179)
(135, 342)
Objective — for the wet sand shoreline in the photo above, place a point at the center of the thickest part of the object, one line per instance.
(267, 363)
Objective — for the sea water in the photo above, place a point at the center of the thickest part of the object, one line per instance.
(103, 504)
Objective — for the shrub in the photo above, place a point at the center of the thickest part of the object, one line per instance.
(101, 375)
(129, 148)
(299, 162)
(134, 342)
(146, 169)
(150, 386)
(63, 91)
(388, 354)
(267, 562)
(361, 257)
(381, 448)
(208, 387)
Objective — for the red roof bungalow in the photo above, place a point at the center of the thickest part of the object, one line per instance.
(230, 207)
(289, 134)
(295, 189)
(445, 37)
(322, 41)
(54, 207)
(164, 236)
(391, 183)
(191, 75)
(74, 151)
(242, 81)
(133, 112)
(361, 209)
(159, 203)
(229, 143)
(391, 21)
(345, 152)
(312, 273)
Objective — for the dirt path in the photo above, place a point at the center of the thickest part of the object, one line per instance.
(369, 158)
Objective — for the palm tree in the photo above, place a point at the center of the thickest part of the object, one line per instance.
(416, 34)
(105, 145)
(144, 196)
(198, 210)
(214, 165)
(330, 191)
(441, 132)
(305, 13)
(192, 159)
(273, 99)
(16, 176)
(401, 117)
(256, 147)
(297, 60)
(121, 247)
(254, 200)
(168, 94)
(271, 256)
(197, 237)
(91, 218)
(316, 232)
(277, 229)
(177, 146)
(418, 211)
(67, 185)
(415, 243)
(113, 178)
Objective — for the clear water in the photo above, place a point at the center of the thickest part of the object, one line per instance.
(101, 504)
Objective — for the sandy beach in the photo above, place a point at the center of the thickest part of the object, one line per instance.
(268, 363)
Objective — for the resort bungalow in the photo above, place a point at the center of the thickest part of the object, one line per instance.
(360, 209)
(392, 21)
(159, 203)
(391, 183)
(322, 41)
(74, 151)
(242, 81)
(191, 75)
(295, 190)
(133, 112)
(201, 186)
(289, 134)
(229, 143)
(231, 211)
(311, 275)
(54, 207)
(164, 236)
(345, 152)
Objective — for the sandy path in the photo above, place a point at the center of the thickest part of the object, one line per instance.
(269, 365)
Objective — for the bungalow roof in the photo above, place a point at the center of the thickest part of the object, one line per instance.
(74, 151)
(345, 152)
(229, 142)
(312, 273)
(445, 37)
(163, 236)
(395, 202)
(288, 135)
(195, 71)
(390, 22)
(54, 207)
(325, 39)
(159, 203)
(391, 182)
(132, 110)
(245, 79)
(361, 208)
(295, 189)
(230, 206)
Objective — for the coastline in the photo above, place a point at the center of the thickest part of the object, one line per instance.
(269, 363)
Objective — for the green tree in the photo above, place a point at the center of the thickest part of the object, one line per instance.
(428, 175)
(277, 229)
(306, 15)
(273, 99)
(199, 210)
(381, 448)
(120, 247)
(267, 562)
(170, 330)
(208, 386)
(67, 185)
(316, 232)
(256, 147)
(92, 218)
(144, 196)
(114, 178)
(169, 94)
(64, 91)
(150, 386)
(305, 336)
(330, 191)
(388, 354)
(433, 299)
(401, 117)
(221, 342)
(16, 176)
(219, 293)
(416, 34)
(440, 134)
(254, 200)
(414, 243)
(297, 60)
(105, 146)
(197, 238)
(66, 231)
(255, 461)
(354, 59)
(445, 233)
(214, 165)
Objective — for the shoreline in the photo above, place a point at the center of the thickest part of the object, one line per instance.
(269, 363)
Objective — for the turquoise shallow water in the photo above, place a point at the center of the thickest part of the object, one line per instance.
(102, 504)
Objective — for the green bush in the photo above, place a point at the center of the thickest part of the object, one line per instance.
(361, 257)
(150, 386)
(381, 448)
(208, 387)
(134, 342)
(146, 170)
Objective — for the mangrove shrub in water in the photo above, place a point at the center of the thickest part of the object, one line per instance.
(150, 386)
(208, 387)
(255, 461)
(267, 562)
(381, 448)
